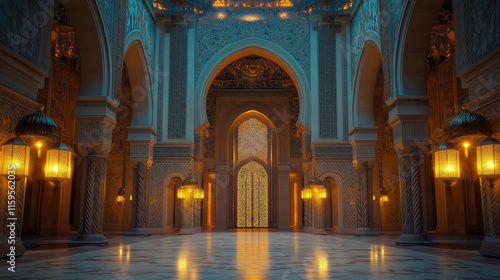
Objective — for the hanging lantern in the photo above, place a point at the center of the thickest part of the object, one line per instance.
(488, 159)
(468, 129)
(385, 198)
(121, 195)
(322, 192)
(447, 163)
(306, 193)
(15, 158)
(181, 192)
(59, 164)
(199, 193)
(38, 130)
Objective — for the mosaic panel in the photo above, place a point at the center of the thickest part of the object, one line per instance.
(327, 82)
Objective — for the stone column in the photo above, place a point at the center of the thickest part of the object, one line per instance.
(197, 174)
(140, 208)
(364, 201)
(284, 195)
(141, 140)
(307, 167)
(364, 140)
(221, 185)
(318, 213)
(96, 117)
(490, 196)
(187, 213)
(408, 119)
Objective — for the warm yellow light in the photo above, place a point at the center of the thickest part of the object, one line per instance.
(322, 264)
(130, 197)
(15, 158)
(447, 163)
(59, 163)
(466, 144)
(120, 198)
(39, 144)
(182, 264)
(488, 159)
(199, 193)
(221, 15)
(374, 197)
(283, 15)
(181, 193)
(385, 198)
(322, 193)
(250, 18)
(306, 193)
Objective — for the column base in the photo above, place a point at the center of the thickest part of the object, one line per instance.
(490, 247)
(89, 240)
(186, 231)
(197, 229)
(415, 239)
(6, 252)
(366, 232)
(318, 231)
(138, 232)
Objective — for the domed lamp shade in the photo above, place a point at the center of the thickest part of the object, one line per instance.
(468, 129)
(306, 193)
(15, 159)
(190, 183)
(488, 159)
(37, 130)
(59, 163)
(199, 193)
(447, 163)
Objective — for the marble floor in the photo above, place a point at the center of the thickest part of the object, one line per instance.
(252, 255)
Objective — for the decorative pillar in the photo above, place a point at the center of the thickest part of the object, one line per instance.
(408, 118)
(187, 213)
(284, 195)
(364, 140)
(364, 201)
(307, 167)
(197, 174)
(318, 213)
(141, 141)
(96, 119)
(221, 185)
(490, 192)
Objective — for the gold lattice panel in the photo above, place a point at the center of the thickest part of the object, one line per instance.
(252, 140)
(252, 196)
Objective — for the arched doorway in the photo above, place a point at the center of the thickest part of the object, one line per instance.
(173, 217)
(252, 158)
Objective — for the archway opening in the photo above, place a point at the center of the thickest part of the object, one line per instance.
(173, 204)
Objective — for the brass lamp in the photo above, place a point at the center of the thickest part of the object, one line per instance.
(121, 195)
(488, 159)
(15, 159)
(181, 192)
(199, 193)
(306, 193)
(59, 163)
(447, 164)
(468, 129)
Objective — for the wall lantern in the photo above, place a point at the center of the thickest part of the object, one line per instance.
(181, 192)
(318, 187)
(385, 198)
(199, 193)
(488, 159)
(306, 193)
(322, 192)
(59, 163)
(121, 195)
(447, 164)
(16, 158)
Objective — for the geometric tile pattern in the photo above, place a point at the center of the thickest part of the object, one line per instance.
(346, 172)
(159, 171)
(327, 82)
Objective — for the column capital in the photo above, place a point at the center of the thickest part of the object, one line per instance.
(142, 141)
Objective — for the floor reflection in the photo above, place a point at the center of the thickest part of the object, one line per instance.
(252, 253)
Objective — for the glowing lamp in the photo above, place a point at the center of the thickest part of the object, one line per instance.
(181, 192)
(322, 192)
(488, 159)
(385, 198)
(199, 193)
(447, 163)
(16, 158)
(121, 195)
(306, 193)
(59, 164)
